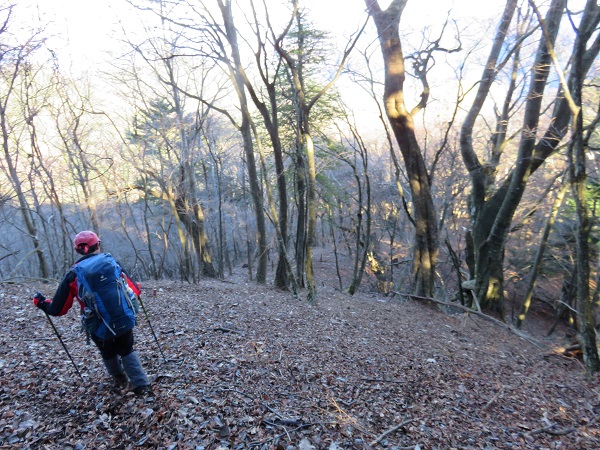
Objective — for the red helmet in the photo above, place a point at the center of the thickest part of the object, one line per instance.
(86, 239)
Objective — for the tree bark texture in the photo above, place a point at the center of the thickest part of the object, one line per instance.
(401, 121)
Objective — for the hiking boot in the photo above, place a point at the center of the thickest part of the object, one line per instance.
(141, 391)
(120, 380)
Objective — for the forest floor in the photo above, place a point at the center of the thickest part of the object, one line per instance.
(249, 366)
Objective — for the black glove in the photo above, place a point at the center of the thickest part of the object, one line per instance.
(39, 300)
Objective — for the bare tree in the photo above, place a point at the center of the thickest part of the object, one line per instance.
(15, 64)
(175, 130)
(355, 154)
(85, 165)
(578, 177)
(236, 73)
(492, 211)
(43, 170)
(269, 111)
(206, 37)
(402, 123)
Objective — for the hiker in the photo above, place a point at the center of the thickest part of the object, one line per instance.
(116, 347)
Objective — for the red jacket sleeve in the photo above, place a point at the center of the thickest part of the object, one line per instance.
(64, 296)
(133, 285)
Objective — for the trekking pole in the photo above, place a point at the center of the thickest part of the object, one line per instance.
(64, 346)
(151, 328)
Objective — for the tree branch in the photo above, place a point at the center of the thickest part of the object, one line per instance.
(482, 315)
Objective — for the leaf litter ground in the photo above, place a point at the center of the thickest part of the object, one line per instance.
(250, 367)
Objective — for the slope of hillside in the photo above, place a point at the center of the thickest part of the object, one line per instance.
(250, 367)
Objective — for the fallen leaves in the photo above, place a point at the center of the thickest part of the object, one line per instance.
(249, 367)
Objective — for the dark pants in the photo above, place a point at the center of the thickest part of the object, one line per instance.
(109, 348)
(119, 358)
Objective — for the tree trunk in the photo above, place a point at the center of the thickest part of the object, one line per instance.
(188, 206)
(246, 130)
(492, 216)
(270, 115)
(577, 167)
(289, 275)
(306, 178)
(426, 231)
(300, 243)
(154, 267)
(540, 252)
(311, 199)
(363, 220)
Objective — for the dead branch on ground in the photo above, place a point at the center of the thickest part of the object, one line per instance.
(484, 316)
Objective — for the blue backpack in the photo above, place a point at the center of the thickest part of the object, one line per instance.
(109, 304)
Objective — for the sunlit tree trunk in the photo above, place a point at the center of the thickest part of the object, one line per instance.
(426, 231)
(311, 200)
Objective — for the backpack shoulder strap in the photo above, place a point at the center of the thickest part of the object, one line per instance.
(78, 269)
